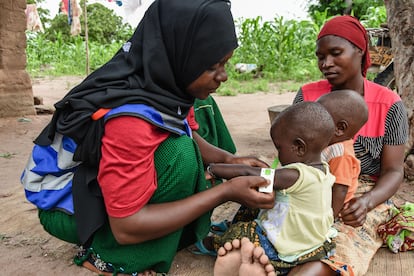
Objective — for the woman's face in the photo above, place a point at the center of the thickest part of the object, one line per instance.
(339, 60)
(209, 81)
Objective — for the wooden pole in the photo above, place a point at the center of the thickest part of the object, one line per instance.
(86, 37)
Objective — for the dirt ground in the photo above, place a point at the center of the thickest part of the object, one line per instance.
(26, 249)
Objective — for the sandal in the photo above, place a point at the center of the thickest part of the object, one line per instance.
(198, 248)
(218, 228)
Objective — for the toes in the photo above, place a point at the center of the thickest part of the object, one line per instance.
(221, 251)
(228, 246)
(247, 248)
(236, 243)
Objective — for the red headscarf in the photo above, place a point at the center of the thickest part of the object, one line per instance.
(350, 28)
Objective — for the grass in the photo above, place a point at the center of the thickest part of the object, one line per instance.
(7, 155)
(233, 87)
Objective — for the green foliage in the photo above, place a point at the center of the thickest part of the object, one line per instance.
(104, 26)
(338, 7)
(59, 29)
(374, 17)
(234, 87)
(284, 49)
(59, 57)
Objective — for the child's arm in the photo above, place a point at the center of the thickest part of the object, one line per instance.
(339, 192)
(346, 169)
(283, 179)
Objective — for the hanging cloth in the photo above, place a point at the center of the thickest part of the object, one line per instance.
(73, 10)
(33, 22)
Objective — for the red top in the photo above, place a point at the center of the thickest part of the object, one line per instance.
(127, 175)
(377, 98)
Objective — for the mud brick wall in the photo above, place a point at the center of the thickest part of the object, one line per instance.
(16, 95)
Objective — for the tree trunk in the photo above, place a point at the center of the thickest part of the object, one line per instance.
(400, 17)
(16, 95)
(348, 7)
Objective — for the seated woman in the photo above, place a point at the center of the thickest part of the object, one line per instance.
(119, 169)
(343, 59)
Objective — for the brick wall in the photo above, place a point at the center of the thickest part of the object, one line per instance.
(16, 95)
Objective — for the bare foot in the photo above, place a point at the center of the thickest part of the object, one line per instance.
(254, 261)
(228, 259)
(242, 258)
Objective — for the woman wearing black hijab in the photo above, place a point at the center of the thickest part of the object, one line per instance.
(128, 182)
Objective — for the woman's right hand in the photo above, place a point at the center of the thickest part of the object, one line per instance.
(244, 190)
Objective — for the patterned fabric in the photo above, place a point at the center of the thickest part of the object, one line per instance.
(47, 178)
(398, 233)
(355, 247)
(33, 22)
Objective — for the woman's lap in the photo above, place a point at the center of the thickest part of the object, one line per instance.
(355, 247)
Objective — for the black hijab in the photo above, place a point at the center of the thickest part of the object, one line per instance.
(175, 42)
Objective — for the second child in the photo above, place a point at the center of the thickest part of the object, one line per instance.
(349, 112)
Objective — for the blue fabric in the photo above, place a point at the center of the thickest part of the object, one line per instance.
(153, 116)
(270, 250)
(48, 175)
(53, 199)
(267, 246)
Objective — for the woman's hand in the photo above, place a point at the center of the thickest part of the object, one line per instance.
(354, 212)
(392, 173)
(244, 190)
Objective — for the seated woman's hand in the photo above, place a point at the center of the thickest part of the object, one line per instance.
(244, 190)
(354, 212)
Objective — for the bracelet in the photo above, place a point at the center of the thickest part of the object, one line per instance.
(210, 172)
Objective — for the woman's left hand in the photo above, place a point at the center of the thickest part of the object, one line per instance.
(354, 212)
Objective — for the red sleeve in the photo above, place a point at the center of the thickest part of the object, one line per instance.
(192, 120)
(127, 175)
